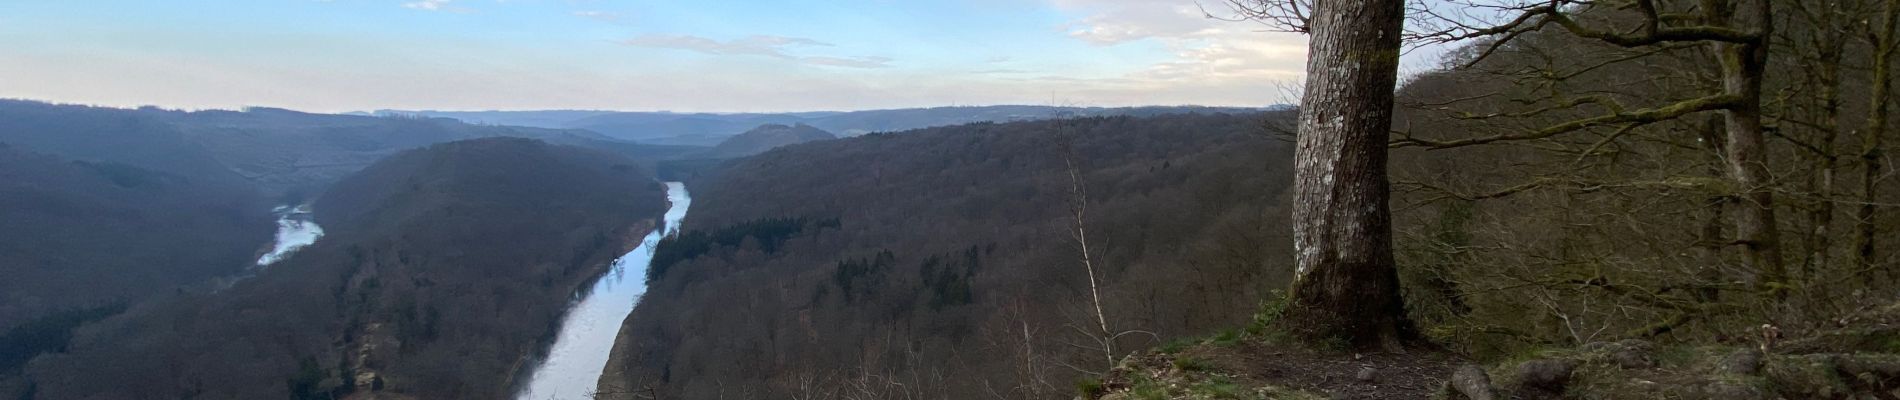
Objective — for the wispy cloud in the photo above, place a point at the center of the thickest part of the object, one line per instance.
(848, 62)
(1119, 21)
(428, 5)
(1206, 52)
(757, 45)
(603, 16)
(779, 47)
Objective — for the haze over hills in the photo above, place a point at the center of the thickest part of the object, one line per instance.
(279, 151)
(708, 129)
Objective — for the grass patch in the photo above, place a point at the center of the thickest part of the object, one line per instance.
(1187, 363)
(1147, 389)
(1089, 388)
(1175, 346)
(1265, 324)
(1217, 389)
(1226, 337)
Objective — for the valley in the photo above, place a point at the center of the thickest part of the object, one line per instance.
(950, 199)
(347, 298)
(575, 359)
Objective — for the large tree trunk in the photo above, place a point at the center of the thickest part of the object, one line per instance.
(1755, 228)
(1346, 286)
(1884, 42)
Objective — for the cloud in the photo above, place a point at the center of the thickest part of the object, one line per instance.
(1110, 22)
(848, 62)
(603, 16)
(1207, 49)
(1204, 52)
(779, 47)
(428, 5)
(756, 45)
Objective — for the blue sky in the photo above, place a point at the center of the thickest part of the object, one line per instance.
(697, 55)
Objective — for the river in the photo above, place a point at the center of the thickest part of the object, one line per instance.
(295, 229)
(574, 363)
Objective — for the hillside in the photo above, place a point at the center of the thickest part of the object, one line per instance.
(767, 137)
(81, 234)
(941, 258)
(109, 135)
(444, 270)
(104, 206)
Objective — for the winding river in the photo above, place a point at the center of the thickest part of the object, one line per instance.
(574, 363)
(295, 229)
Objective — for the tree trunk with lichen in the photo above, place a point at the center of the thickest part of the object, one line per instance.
(1870, 148)
(1743, 66)
(1347, 286)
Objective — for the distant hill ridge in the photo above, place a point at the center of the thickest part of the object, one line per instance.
(708, 129)
(767, 137)
(279, 151)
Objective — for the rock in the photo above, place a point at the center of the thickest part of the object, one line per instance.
(1806, 376)
(1733, 391)
(1871, 370)
(1367, 374)
(1544, 379)
(1470, 382)
(1629, 354)
(1549, 375)
(1742, 362)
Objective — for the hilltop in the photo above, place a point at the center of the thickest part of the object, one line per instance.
(708, 129)
(767, 137)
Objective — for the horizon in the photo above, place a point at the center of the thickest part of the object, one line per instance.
(379, 112)
(720, 56)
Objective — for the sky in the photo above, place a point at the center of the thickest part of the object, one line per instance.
(640, 55)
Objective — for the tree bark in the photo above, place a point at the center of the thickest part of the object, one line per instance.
(1743, 66)
(1884, 43)
(1829, 45)
(1710, 240)
(1346, 286)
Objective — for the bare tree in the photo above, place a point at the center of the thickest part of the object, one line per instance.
(1737, 32)
(1078, 231)
(1103, 337)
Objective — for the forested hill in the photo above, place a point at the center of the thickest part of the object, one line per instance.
(767, 137)
(102, 206)
(938, 259)
(85, 234)
(280, 151)
(444, 270)
(105, 206)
